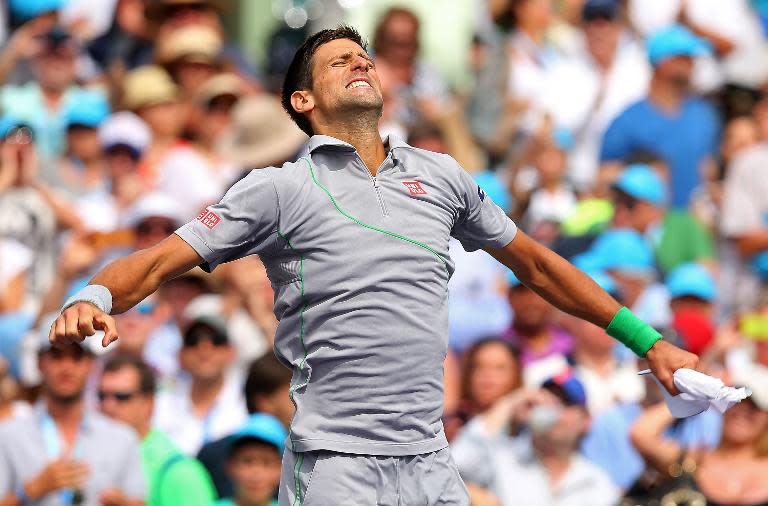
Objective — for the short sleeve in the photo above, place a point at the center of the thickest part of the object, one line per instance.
(615, 142)
(241, 224)
(187, 482)
(480, 222)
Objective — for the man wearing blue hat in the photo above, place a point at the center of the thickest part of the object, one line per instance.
(41, 101)
(525, 450)
(681, 128)
(640, 203)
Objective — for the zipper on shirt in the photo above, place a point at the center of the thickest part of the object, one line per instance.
(379, 196)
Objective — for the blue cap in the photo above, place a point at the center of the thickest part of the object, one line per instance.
(263, 427)
(597, 9)
(619, 249)
(568, 388)
(86, 108)
(693, 280)
(495, 188)
(675, 40)
(24, 10)
(643, 183)
(759, 265)
(513, 280)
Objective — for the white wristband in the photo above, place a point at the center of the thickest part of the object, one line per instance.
(98, 295)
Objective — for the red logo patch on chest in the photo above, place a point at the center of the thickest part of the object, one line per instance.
(208, 218)
(414, 188)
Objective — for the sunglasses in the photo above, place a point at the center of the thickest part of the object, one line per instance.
(118, 396)
(148, 227)
(195, 338)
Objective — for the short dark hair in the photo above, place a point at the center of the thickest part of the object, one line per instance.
(265, 376)
(299, 74)
(147, 380)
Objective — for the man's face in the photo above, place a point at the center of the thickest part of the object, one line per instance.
(677, 70)
(563, 430)
(602, 36)
(255, 471)
(344, 81)
(277, 404)
(65, 372)
(55, 67)
(400, 40)
(83, 142)
(532, 313)
(121, 400)
(205, 355)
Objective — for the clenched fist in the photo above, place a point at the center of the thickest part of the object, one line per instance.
(79, 321)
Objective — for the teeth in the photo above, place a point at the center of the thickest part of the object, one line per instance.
(358, 84)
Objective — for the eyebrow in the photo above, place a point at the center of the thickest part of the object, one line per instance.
(348, 56)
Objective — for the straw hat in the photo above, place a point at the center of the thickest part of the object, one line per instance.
(262, 133)
(148, 85)
(196, 43)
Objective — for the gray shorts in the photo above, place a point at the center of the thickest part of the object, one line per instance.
(339, 479)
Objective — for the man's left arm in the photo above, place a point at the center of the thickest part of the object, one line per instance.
(572, 291)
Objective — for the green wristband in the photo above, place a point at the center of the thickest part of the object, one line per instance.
(633, 332)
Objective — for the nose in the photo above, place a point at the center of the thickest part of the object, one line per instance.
(360, 63)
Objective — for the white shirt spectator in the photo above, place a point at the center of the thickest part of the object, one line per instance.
(174, 415)
(591, 99)
(15, 259)
(509, 469)
(188, 178)
(622, 385)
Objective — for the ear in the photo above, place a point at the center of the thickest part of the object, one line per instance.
(302, 101)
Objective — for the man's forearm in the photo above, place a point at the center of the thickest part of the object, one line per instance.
(559, 282)
(752, 242)
(132, 278)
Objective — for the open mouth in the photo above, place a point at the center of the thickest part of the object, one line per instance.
(359, 83)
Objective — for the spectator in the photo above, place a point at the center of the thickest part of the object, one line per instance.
(41, 102)
(266, 393)
(65, 453)
(81, 169)
(640, 203)
(261, 135)
(127, 394)
(609, 378)
(679, 126)
(190, 55)
(609, 75)
(627, 258)
(126, 44)
(33, 19)
(209, 403)
(11, 408)
(744, 224)
(693, 292)
(491, 371)
(254, 462)
(541, 466)
(396, 46)
(732, 473)
(152, 95)
(543, 345)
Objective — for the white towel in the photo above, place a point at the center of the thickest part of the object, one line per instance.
(698, 392)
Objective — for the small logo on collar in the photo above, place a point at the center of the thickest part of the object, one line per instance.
(414, 188)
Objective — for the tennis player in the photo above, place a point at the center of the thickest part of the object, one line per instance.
(354, 236)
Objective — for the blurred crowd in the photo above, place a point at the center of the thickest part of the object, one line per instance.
(627, 135)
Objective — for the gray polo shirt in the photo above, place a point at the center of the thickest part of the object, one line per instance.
(360, 269)
(110, 449)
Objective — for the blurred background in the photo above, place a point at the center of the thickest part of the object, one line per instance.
(627, 135)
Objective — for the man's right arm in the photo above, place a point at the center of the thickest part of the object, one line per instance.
(129, 279)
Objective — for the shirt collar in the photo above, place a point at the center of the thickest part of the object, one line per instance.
(328, 142)
(41, 412)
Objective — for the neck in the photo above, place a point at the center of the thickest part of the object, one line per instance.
(363, 134)
(601, 361)
(242, 501)
(534, 33)
(52, 96)
(143, 430)
(205, 391)
(65, 413)
(665, 95)
(556, 465)
(738, 450)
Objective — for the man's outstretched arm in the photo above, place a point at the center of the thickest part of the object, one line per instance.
(572, 291)
(129, 280)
